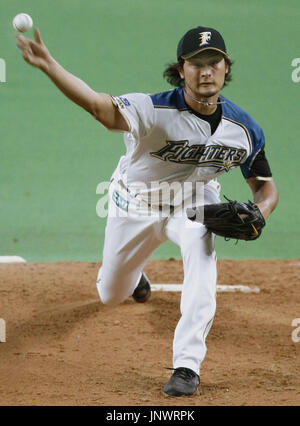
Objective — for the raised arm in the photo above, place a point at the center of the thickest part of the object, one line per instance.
(99, 105)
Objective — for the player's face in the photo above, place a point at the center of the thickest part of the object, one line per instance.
(204, 74)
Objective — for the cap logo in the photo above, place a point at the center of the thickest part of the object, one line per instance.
(204, 37)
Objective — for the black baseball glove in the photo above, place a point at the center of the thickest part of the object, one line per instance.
(240, 221)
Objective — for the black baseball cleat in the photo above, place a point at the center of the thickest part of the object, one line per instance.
(143, 290)
(184, 381)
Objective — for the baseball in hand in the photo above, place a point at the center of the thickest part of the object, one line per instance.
(22, 22)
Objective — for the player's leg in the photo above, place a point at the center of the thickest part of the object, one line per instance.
(129, 243)
(198, 298)
(132, 233)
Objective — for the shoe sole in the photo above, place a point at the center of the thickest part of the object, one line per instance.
(180, 395)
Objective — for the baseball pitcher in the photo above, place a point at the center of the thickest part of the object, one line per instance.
(182, 140)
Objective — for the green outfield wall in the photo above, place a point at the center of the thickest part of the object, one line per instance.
(54, 154)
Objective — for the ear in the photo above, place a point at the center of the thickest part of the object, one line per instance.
(181, 72)
(226, 68)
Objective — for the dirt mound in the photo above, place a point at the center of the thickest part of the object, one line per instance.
(63, 347)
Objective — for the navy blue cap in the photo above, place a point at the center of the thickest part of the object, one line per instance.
(198, 39)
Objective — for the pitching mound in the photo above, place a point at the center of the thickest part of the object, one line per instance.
(63, 347)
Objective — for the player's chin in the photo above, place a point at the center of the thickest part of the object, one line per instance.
(207, 90)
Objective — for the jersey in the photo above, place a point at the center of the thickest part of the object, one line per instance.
(168, 142)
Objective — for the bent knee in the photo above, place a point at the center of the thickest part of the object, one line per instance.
(108, 298)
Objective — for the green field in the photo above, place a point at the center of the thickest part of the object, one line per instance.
(53, 154)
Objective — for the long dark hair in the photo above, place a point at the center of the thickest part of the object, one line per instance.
(171, 73)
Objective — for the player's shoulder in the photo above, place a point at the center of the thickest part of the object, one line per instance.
(171, 99)
(128, 98)
(134, 102)
(235, 114)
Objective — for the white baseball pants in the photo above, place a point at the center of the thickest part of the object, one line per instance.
(129, 244)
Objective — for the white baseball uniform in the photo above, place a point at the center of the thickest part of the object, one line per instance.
(168, 142)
